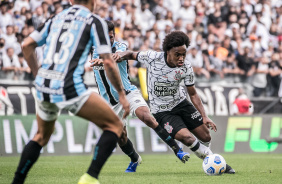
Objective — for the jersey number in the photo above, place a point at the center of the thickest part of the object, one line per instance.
(60, 57)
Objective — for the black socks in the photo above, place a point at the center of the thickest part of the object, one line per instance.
(103, 150)
(129, 150)
(29, 156)
(167, 138)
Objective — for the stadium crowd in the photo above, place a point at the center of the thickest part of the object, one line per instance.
(231, 40)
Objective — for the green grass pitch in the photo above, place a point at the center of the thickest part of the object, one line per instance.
(155, 169)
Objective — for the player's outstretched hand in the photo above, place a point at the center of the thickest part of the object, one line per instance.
(209, 123)
(117, 57)
(125, 105)
(96, 62)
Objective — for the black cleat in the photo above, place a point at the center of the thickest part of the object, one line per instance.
(229, 170)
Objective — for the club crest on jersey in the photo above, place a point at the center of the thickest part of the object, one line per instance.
(177, 75)
(168, 127)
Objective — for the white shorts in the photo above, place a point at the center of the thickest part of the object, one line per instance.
(50, 111)
(135, 100)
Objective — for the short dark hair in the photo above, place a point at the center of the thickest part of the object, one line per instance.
(175, 39)
(20, 55)
(81, 1)
(111, 26)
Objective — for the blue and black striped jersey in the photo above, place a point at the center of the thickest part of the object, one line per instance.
(106, 89)
(69, 37)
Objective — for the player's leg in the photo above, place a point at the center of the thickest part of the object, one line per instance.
(187, 138)
(96, 110)
(127, 147)
(172, 124)
(203, 134)
(194, 122)
(32, 150)
(141, 110)
(143, 113)
(126, 144)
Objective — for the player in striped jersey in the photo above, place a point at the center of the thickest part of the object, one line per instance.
(68, 38)
(108, 92)
(138, 106)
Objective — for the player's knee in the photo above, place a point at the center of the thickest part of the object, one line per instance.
(206, 137)
(119, 126)
(123, 138)
(114, 125)
(187, 140)
(42, 138)
(149, 120)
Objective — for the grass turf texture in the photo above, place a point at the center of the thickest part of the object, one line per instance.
(155, 169)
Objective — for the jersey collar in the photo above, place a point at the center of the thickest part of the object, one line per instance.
(114, 44)
(80, 6)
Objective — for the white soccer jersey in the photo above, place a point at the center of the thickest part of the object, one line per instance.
(163, 81)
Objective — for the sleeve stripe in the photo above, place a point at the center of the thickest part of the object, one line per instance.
(35, 35)
(103, 49)
(101, 31)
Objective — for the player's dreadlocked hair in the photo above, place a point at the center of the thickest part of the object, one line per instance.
(175, 39)
(111, 26)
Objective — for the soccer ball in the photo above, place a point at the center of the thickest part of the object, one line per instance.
(214, 165)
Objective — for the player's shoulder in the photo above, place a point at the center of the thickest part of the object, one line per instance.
(187, 66)
(153, 55)
(120, 46)
(187, 63)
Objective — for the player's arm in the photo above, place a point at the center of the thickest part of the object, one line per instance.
(96, 62)
(197, 102)
(99, 35)
(126, 55)
(36, 38)
(28, 48)
(114, 77)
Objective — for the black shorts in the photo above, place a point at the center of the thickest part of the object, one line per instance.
(184, 115)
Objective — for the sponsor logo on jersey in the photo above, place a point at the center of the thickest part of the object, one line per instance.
(191, 78)
(169, 106)
(143, 55)
(168, 127)
(161, 89)
(137, 101)
(98, 67)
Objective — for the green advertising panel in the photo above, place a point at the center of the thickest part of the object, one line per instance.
(74, 135)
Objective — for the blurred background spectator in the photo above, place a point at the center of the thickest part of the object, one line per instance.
(242, 104)
(234, 41)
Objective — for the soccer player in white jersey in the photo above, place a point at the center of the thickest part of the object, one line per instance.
(138, 106)
(168, 102)
(68, 38)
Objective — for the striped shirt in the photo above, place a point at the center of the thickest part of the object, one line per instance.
(69, 37)
(106, 89)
